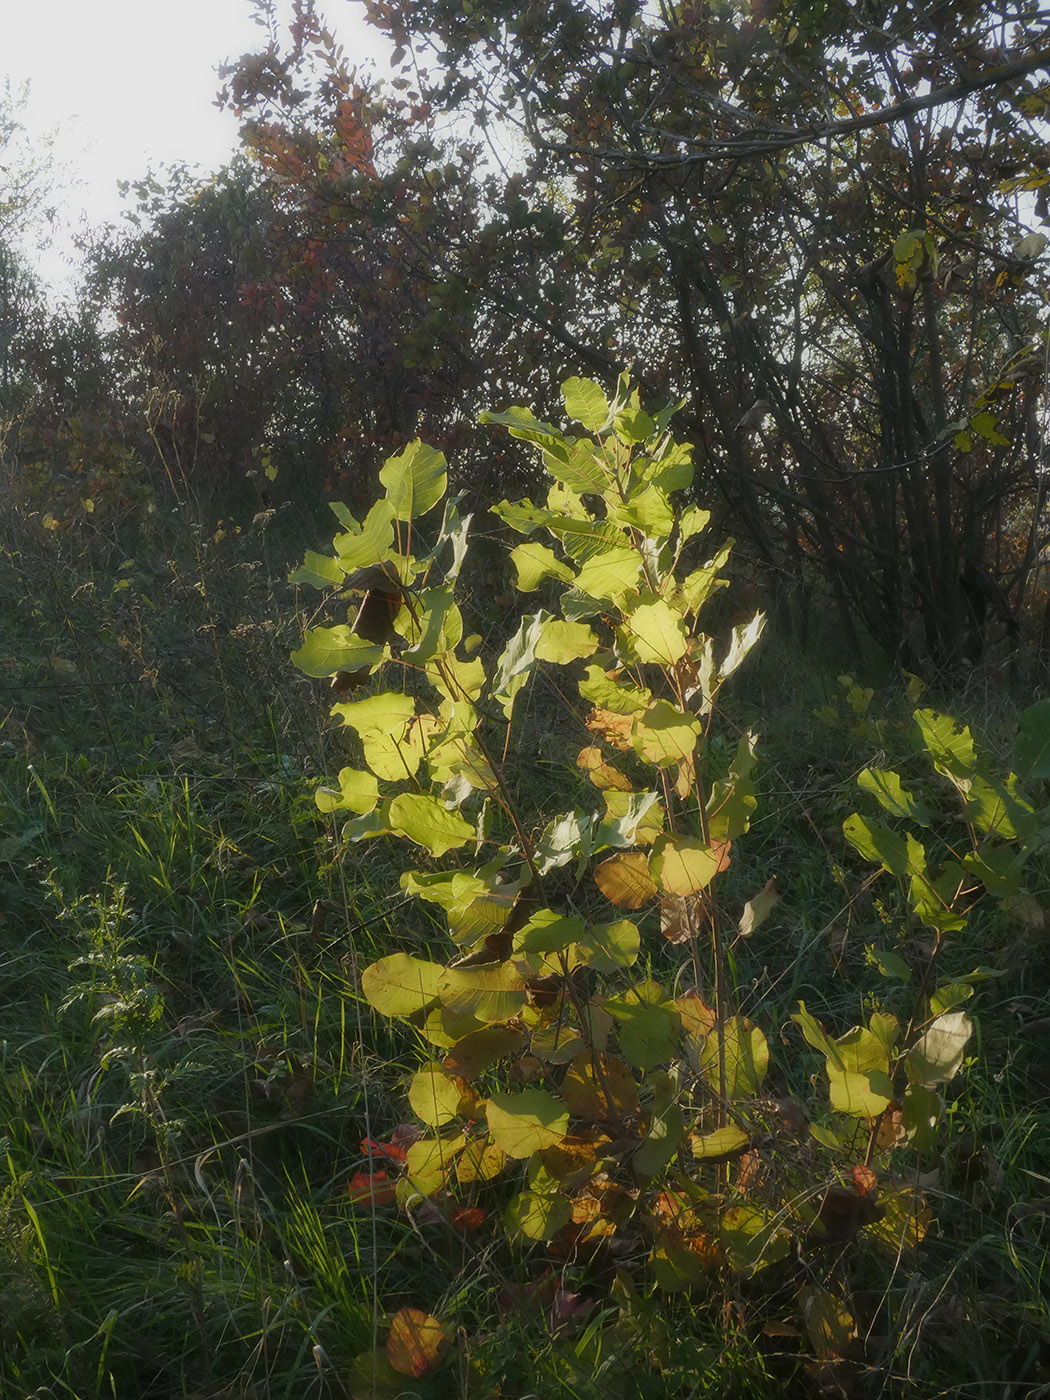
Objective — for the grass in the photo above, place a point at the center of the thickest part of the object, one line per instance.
(188, 1073)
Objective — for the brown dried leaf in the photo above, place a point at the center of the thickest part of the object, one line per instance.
(613, 728)
(681, 917)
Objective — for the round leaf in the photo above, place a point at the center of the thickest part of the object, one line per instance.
(524, 1123)
(400, 985)
(417, 1342)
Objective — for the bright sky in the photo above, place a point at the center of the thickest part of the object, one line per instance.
(126, 84)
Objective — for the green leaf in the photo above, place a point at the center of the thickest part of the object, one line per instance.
(493, 994)
(435, 1096)
(999, 808)
(876, 842)
(685, 865)
(886, 787)
(646, 509)
(698, 586)
(607, 693)
(396, 755)
(387, 713)
(434, 626)
(326, 650)
(985, 426)
(319, 570)
(427, 822)
(938, 1055)
(997, 867)
(654, 632)
(813, 1031)
(581, 468)
(563, 642)
(666, 1127)
(746, 1056)
(534, 563)
(858, 1074)
(608, 576)
(733, 801)
(951, 995)
(1031, 753)
(415, 480)
(358, 792)
(585, 401)
(890, 964)
(950, 749)
(752, 1239)
(693, 521)
(367, 544)
(720, 1144)
(548, 932)
(648, 1026)
(537, 1215)
(401, 985)
(524, 1123)
(523, 424)
(920, 1114)
(607, 947)
(517, 660)
(831, 1326)
(664, 735)
(428, 1164)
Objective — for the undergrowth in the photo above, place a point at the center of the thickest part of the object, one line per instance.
(197, 1102)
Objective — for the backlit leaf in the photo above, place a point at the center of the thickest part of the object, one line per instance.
(526, 1122)
(492, 994)
(415, 480)
(664, 734)
(537, 1215)
(436, 1097)
(400, 985)
(534, 563)
(938, 1054)
(719, 1144)
(358, 792)
(417, 1342)
(876, 842)
(950, 748)
(684, 865)
(624, 879)
(585, 401)
(759, 907)
(656, 633)
(426, 821)
(888, 790)
(745, 1055)
(830, 1324)
(562, 642)
(326, 650)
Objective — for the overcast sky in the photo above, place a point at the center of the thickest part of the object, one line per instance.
(126, 84)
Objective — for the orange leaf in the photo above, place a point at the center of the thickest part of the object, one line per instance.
(625, 880)
(416, 1343)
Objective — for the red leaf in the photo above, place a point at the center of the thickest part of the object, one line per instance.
(466, 1218)
(371, 1188)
